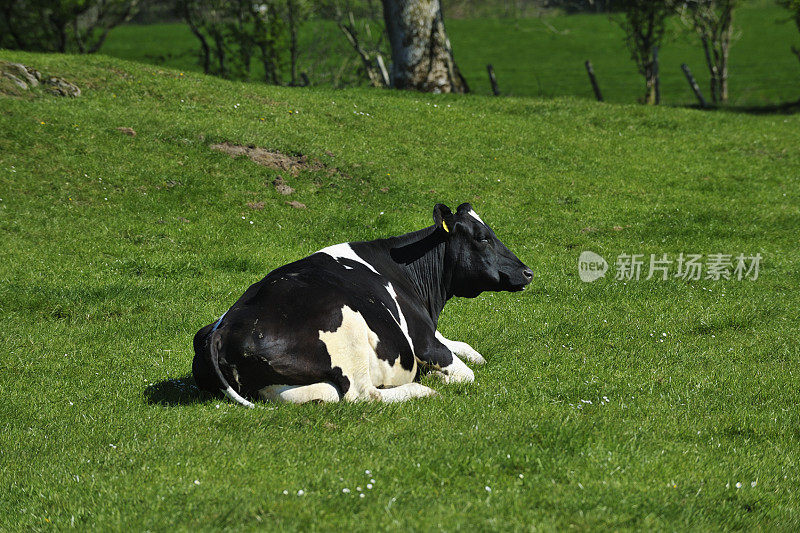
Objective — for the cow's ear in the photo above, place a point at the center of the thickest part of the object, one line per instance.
(443, 217)
(464, 208)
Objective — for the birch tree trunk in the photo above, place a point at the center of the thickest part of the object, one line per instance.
(422, 58)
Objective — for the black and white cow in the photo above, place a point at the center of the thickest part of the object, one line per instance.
(357, 320)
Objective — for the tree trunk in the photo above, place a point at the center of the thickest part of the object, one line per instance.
(205, 50)
(292, 41)
(723, 75)
(725, 47)
(219, 42)
(712, 71)
(651, 84)
(422, 59)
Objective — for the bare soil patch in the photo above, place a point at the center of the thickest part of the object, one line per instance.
(281, 186)
(293, 164)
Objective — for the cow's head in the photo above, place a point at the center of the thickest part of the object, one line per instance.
(478, 260)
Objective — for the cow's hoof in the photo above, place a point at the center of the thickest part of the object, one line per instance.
(421, 391)
(464, 375)
(475, 358)
(468, 353)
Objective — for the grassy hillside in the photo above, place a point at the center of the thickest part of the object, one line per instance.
(616, 404)
(536, 56)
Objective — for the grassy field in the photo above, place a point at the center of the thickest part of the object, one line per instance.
(612, 405)
(536, 56)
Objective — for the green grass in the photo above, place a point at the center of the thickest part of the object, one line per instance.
(116, 249)
(536, 56)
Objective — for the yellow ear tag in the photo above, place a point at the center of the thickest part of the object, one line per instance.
(444, 225)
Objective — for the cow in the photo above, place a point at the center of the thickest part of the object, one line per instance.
(357, 321)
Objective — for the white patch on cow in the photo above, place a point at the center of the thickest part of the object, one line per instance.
(233, 395)
(385, 375)
(345, 251)
(218, 322)
(461, 349)
(474, 215)
(402, 323)
(320, 392)
(352, 349)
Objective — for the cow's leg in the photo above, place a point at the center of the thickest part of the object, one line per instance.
(405, 392)
(461, 349)
(445, 363)
(319, 392)
(455, 372)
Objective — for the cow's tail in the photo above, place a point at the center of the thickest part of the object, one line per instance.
(215, 342)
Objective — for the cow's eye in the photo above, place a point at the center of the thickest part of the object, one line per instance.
(484, 241)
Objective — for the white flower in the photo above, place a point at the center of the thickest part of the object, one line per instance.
(753, 484)
(738, 484)
(369, 485)
(367, 472)
(285, 492)
(488, 488)
(196, 481)
(361, 495)
(301, 492)
(346, 490)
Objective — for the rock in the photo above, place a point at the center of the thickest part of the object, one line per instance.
(28, 76)
(25, 78)
(16, 81)
(132, 133)
(61, 87)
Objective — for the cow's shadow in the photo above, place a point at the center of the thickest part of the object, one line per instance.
(176, 391)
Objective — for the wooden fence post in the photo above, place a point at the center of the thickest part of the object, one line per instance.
(493, 80)
(592, 79)
(693, 85)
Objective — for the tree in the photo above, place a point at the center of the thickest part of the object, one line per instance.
(644, 23)
(712, 20)
(794, 7)
(61, 26)
(422, 58)
(369, 52)
(233, 32)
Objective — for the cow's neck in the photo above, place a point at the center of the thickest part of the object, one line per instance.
(421, 257)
